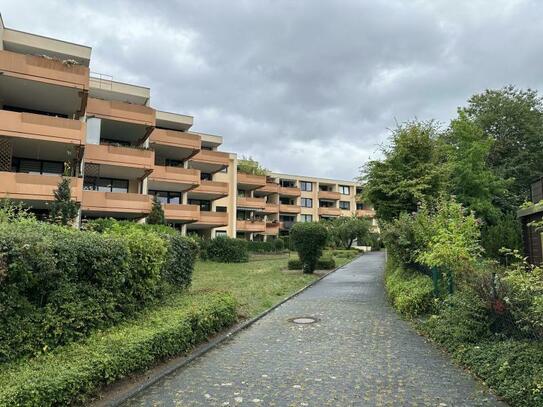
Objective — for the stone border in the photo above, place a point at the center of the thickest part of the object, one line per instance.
(181, 361)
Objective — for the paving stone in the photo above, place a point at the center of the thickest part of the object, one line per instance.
(359, 353)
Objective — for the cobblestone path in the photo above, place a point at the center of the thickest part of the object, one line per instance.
(358, 354)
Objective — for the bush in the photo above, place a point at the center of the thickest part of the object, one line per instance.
(72, 373)
(271, 246)
(309, 239)
(505, 233)
(410, 292)
(294, 264)
(324, 263)
(225, 250)
(179, 264)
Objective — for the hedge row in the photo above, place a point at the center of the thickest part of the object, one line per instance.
(71, 373)
(323, 263)
(224, 249)
(272, 246)
(59, 284)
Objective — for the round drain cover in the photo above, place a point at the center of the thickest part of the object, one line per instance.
(303, 320)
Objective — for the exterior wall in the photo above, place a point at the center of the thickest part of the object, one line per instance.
(229, 201)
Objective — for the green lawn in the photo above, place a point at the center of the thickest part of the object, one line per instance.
(258, 284)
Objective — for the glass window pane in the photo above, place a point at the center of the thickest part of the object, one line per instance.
(175, 198)
(30, 166)
(104, 185)
(53, 168)
(119, 185)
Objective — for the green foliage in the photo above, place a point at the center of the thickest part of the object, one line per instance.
(343, 231)
(72, 373)
(63, 210)
(410, 292)
(513, 119)
(225, 250)
(505, 233)
(180, 260)
(411, 172)
(309, 239)
(271, 246)
(156, 216)
(11, 211)
(323, 263)
(247, 165)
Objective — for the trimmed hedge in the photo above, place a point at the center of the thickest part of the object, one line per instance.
(70, 374)
(324, 263)
(309, 239)
(224, 250)
(271, 246)
(410, 292)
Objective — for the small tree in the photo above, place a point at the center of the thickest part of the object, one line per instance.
(308, 239)
(63, 210)
(156, 217)
(248, 165)
(345, 230)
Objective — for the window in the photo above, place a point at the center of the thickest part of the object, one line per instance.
(307, 203)
(208, 148)
(326, 204)
(345, 205)
(204, 205)
(287, 183)
(344, 190)
(113, 142)
(287, 201)
(205, 176)
(173, 163)
(220, 233)
(105, 184)
(306, 186)
(167, 197)
(220, 209)
(306, 218)
(359, 205)
(31, 166)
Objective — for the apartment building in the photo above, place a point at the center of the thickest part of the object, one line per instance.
(57, 119)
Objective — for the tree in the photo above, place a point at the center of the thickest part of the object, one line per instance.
(471, 180)
(513, 120)
(410, 173)
(248, 165)
(63, 210)
(345, 230)
(156, 216)
(308, 239)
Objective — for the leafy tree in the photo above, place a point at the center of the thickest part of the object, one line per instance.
(343, 231)
(411, 172)
(249, 166)
(513, 120)
(472, 181)
(63, 210)
(308, 239)
(156, 216)
(505, 233)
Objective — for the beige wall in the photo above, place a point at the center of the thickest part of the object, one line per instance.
(229, 201)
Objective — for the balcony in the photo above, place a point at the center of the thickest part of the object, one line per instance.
(330, 195)
(251, 203)
(175, 144)
(289, 191)
(44, 70)
(166, 178)
(329, 211)
(268, 189)
(33, 187)
(251, 226)
(116, 203)
(211, 220)
(181, 213)
(120, 162)
(365, 213)
(271, 208)
(272, 228)
(286, 225)
(121, 111)
(289, 208)
(41, 127)
(250, 181)
(210, 161)
(209, 190)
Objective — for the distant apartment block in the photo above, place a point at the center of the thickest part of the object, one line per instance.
(57, 119)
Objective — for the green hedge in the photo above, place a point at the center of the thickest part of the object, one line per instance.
(410, 292)
(71, 373)
(309, 239)
(271, 246)
(225, 250)
(324, 263)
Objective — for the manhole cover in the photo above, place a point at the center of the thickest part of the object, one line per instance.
(303, 320)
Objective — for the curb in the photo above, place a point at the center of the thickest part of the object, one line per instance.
(203, 349)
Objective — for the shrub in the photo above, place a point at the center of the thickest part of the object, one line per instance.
(410, 292)
(324, 263)
(179, 264)
(309, 239)
(271, 246)
(70, 374)
(156, 216)
(63, 209)
(294, 264)
(505, 233)
(225, 250)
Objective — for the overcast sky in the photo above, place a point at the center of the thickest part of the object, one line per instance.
(304, 86)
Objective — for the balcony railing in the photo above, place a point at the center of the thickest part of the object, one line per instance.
(116, 202)
(250, 180)
(34, 187)
(329, 211)
(212, 157)
(271, 208)
(283, 208)
(44, 70)
(212, 188)
(176, 139)
(251, 203)
(289, 191)
(41, 127)
(175, 175)
(365, 213)
(286, 225)
(213, 219)
(272, 228)
(120, 156)
(269, 188)
(121, 111)
(181, 213)
(333, 196)
(251, 226)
